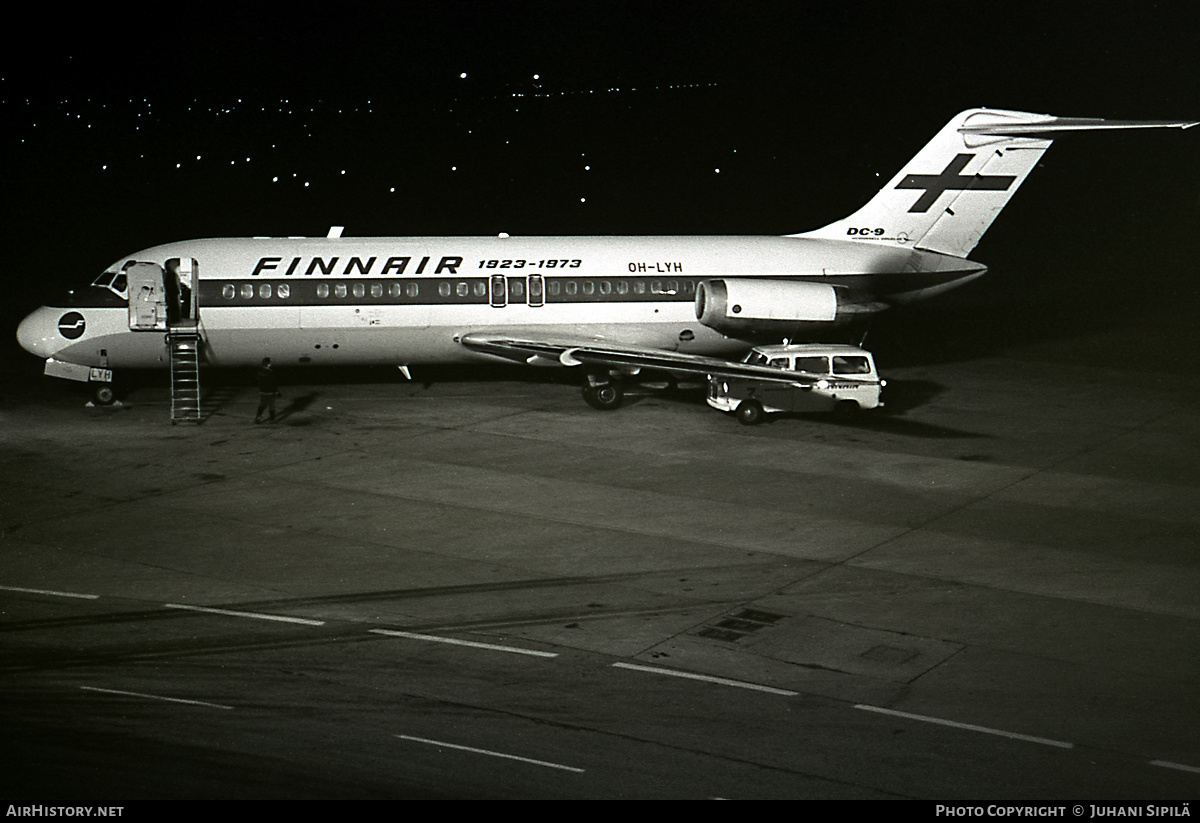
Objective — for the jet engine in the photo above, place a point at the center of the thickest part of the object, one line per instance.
(750, 308)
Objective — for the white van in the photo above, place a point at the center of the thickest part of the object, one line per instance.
(831, 378)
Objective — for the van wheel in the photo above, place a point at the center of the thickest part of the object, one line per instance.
(749, 412)
(104, 395)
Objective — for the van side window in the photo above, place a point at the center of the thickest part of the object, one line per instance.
(778, 363)
(851, 365)
(813, 365)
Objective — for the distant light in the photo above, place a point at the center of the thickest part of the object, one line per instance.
(462, 76)
(582, 199)
(718, 171)
(537, 77)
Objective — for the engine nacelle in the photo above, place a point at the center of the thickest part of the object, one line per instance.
(751, 308)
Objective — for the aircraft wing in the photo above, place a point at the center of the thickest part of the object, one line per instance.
(535, 349)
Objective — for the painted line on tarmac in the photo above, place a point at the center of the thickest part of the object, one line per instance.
(1167, 764)
(156, 697)
(472, 643)
(1045, 741)
(741, 684)
(303, 621)
(491, 753)
(51, 593)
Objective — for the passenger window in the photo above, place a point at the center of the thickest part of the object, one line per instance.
(283, 291)
(851, 365)
(264, 291)
(778, 362)
(322, 290)
(376, 290)
(228, 291)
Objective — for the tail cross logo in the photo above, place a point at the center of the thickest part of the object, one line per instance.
(952, 178)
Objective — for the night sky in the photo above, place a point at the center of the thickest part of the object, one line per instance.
(123, 130)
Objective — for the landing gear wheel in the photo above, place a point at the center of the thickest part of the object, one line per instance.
(104, 395)
(604, 397)
(749, 412)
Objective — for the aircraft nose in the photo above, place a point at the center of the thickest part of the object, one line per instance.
(39, 334)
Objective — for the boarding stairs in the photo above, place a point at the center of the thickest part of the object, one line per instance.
(183, 343)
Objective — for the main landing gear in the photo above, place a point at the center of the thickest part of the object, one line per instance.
(602, 392)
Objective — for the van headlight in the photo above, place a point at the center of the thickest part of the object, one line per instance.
(822, 384)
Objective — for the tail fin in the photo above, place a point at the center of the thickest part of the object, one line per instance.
(945, 198)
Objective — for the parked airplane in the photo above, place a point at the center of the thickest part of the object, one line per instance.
(613, 305)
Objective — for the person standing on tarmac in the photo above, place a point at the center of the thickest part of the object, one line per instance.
(268, 390)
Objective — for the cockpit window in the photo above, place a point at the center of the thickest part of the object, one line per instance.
(116, 282)
(755, 359)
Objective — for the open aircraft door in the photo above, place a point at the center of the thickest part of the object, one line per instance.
(147, 297)
(182, 275)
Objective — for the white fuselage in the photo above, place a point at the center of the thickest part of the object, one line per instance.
(330, 301)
